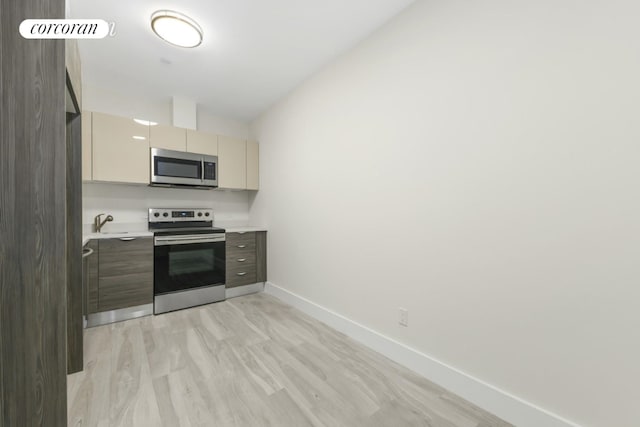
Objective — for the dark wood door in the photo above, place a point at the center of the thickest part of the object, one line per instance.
(33, 297)
(125, 269)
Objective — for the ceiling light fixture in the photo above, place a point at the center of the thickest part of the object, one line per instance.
(176, 29)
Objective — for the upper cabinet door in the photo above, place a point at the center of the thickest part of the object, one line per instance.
(232, 163)
(120, 149)
(253, 167)
(87, 172)
(168, 137)
(202, 143)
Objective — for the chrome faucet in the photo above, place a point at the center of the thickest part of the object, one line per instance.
(98, 224)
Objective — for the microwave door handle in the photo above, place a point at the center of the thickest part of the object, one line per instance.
(202, 169)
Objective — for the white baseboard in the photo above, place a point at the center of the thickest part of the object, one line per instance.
(504, 405)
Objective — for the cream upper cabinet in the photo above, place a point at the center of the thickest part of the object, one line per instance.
(74, 67)
(253, 167)
(87, 171)
(232, 163)
(120, 149)
(168, 137)
(202, 143)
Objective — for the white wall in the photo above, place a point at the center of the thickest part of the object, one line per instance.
(477, 164)
(129, 203)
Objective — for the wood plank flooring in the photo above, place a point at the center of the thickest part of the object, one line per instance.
(250, 361)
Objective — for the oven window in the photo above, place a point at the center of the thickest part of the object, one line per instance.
(190, 262)
(179, 168)
(187, 266)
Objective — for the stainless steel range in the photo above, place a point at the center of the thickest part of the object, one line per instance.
(189, 258)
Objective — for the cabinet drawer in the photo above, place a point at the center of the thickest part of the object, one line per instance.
(237, 256)
(234, 253)
(125, 291)
(241, 239)
(241, 259)
(241, 275)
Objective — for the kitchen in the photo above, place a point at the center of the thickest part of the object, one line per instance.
(210, 163)
(342, 213)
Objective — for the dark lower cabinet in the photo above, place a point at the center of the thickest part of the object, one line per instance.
(90, 283)
(125, 273)
(261, 256)
(246, 258)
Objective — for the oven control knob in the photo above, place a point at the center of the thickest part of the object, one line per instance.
(199, 213)
(206, 214)
(166, 214)
(157, 214)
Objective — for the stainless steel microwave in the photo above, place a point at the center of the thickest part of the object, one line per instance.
(176, 168)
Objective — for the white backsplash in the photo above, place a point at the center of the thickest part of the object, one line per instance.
(129, 204)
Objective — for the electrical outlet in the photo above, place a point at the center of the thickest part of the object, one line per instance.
(404, 317)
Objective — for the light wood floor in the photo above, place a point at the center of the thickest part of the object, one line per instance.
(250, 361)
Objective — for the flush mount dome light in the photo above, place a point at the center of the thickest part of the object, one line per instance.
(176, 28)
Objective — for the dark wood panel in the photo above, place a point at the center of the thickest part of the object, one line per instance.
(250, 269)
(241, 239)
(249, 256)
(241, 276)
(91, 290)
(126, 290)
(74, 245)
(128, 244)
(125, 273)
(261, 256)
(241, 249)
(232, 252)
(33, 359)
(121, 257)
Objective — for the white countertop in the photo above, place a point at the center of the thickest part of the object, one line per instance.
(114, 235)
(229, 228)
(241, 228)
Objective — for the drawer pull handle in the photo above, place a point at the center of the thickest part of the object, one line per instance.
(242, 246)
(127, 239)
(86, 252)
(241, 232)
(241, 274)
(242, 259)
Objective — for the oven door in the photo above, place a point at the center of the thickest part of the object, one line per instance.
(183, 263)
(177, 168)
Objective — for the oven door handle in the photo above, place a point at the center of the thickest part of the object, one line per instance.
(187, 240)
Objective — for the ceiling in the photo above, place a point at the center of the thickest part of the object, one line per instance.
(254, 51)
